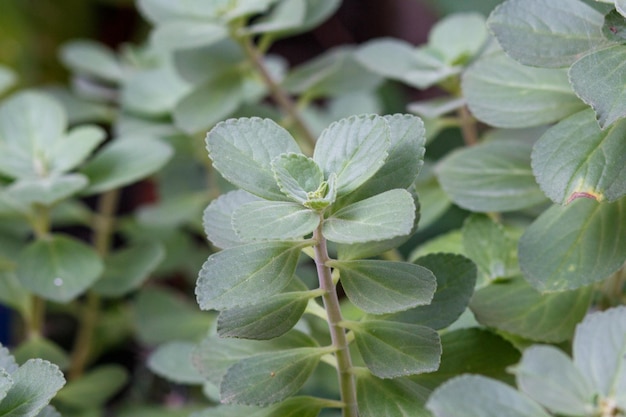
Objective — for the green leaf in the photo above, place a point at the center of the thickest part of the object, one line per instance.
(514, 306)
(72, 149)
(125, 160)
(504, 93)
(12, 293)
(199, 65)
(592, 165)
(58, 268)
(598, 350)
(548, 376)
(172, 361)
(398, 397)
(42, 348)
(287, 15)
(126, 269)
(7, 361)
(377, 218)
(45, 191)
(547, 33)
(379, 287)
(48, 411)
(614, 26)
(159, 11)
(487, 244)
(242, 151)
(270, 318)
(492, 176)
(456, 276)
(34, 385)
(475, 351)
(246, 274)
(215, 355)
(298, 406)
(161, 316)
(5, 383)
(268, 378)
(209, 103)
(598, 80)
(392, 349)
(353, 149)
(576, 245)
(436, 107)
(297, 176)
(94, 388)
(30, 126)
(8, 78)
(472, 395)
(274, 220)
(93, 59)
(458, 37)
(217, 218)
(153, 91)
(184, 34)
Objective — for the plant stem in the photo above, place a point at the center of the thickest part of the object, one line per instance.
(279, 95)
(468, 126)
(40, 223)
(103, 232)
(347, 386)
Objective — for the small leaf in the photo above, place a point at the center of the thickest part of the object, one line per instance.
(456, 276)
(72, 149)
(93, 59)
(45, 191)
(246, 274)
(286, 15)
(217, 218)
(472, 395)
(125, 160)
(270, 318)
(514, 306)
(58, 268)
(591, 245)
(274, 220)
(268, 378)
(380, 287)
(458, 37)
(598, 350)
(242, 151)
(188, 33)
(399, 397)
(172, 361)
(353, 149)
(297, 176)
(504, 93)
(393, 349)
(94, 388)
(549, 377)
(547, 33)
(597, 79)
(614, 24)
(381, 217)
(126, 269)
(34, 385)
(492, 176)
(592, 165)
(436, 107)
(42, 348)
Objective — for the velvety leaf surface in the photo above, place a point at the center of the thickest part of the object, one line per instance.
(392, 349)
(217, 218)
(297, 175)
(90, 58)
(298, 406)
(58, 268)
(270, 318)
(491, 176)
(547, 33)
(575, 158)
(274, 220)
(381, 217)
(399, 397)
(504, 93)
(246, 274)
(34, 385)
(456, 276)
(124, 161)
(472, 395)
(598, 80)
(549, 376)
(45, 190)
(379, 287)
(514, 306)
(5, 383)
(94, 388)
(353, 149)
(172, 361)
(267, 378)
(591, 244)
(598, 351)
(242, 150)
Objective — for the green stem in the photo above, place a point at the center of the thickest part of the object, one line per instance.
(468, 126)
(347, 385)
(36, 317)
(279, 95)
(103, 232)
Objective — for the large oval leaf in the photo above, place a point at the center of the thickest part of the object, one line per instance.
(217, 218)
(576, 158)
(274, 220)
